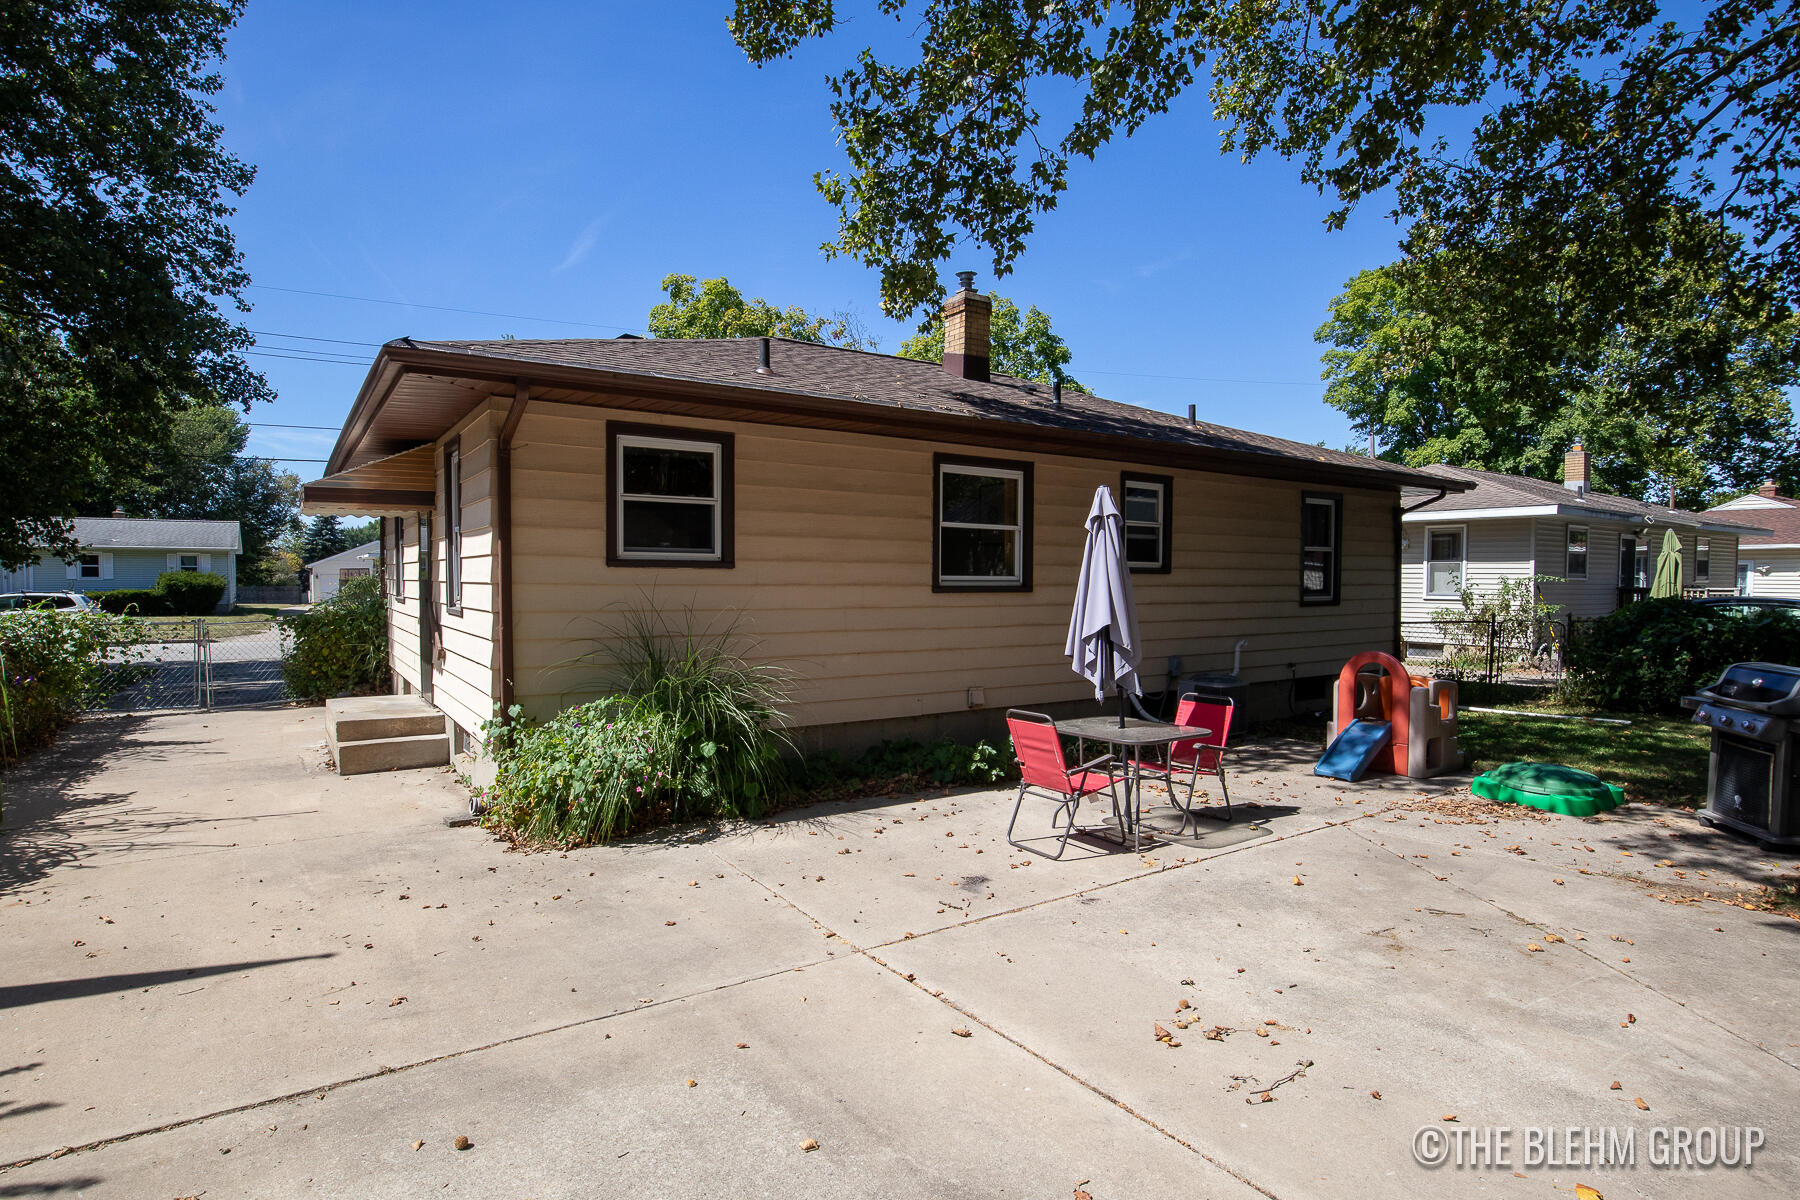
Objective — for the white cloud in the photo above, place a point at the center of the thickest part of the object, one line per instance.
(583, 243)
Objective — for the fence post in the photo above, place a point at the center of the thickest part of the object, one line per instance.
(1493, 635)
(205, 656)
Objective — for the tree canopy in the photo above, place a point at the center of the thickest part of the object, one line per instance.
(1022, 344)
(1684, 402)
(1526, 124)
(712, 308)
(114, 195)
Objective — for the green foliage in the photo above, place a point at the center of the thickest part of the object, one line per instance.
(905, 764)
(1521, 622)
(1537, 127)
(714, 309)
(690, 731)
(1647, 655)
(338, 645)
(191, 593)
(1022, 344)
(1688, 395)
(323, 537)
(50, 668)
(362, 532)
(142, 602)
(115, 198)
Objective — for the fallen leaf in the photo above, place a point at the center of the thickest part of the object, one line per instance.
(1641, 1106)
(1448, 1117)
(1584, 1192)
(960, 1031)
(1616, 1086)
(1535, 948)
(396, 1000)
(1553, 937)
(419, 1145)
(1082, 1195)
(809, 1144)
(693, 1083)
(668, 922)
(743, 1045)
(1297, 883)
(1374, 1095)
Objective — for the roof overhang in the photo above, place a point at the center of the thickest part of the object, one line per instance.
(1441, 516)
(1769, 546)
(398, 485)
(414, 394)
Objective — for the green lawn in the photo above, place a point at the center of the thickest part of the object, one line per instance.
(1661, 760)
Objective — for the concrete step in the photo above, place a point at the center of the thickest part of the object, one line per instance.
(366, 718)
(391, 753)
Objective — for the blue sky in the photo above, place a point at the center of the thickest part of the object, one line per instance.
(556, 160)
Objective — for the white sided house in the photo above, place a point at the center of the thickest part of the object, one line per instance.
(1593, 552)
(1768, 563)
(121, 552)
(324, 576)
(903, 536)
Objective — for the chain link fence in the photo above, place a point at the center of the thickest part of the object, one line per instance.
(1488, 649)
(194, 662)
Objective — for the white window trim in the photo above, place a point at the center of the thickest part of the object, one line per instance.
(204, 561)
(1160, 524)
(1017, 528)
(1334, 568)
(1462, 575)
(717, 502)
(1587, 550)
(106, 566)
(1702, 554)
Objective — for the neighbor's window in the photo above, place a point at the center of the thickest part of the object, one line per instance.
(1575, 562)
(190, 562)
(1444, 566)
(453, 517)
(671, 497)
(1702, 560)
(983, 524)
(1321, 528)
(1145, 502)
(90, 566)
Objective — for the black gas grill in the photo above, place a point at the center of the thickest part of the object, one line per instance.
(1752, 711)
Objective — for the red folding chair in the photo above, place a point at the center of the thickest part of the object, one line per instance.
(1042, 769)
(1202, 755)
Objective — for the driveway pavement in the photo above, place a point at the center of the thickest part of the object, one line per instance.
(230, 972)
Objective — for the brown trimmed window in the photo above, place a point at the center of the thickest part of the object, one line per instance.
(981, 517)
(453, 518)
(1145, 502)
(670, 501)
(1321, 535)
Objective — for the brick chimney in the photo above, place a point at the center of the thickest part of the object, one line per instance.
(966, 316)
(1576, 465)
(1769, 490)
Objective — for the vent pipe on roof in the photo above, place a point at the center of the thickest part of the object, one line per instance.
(762, 366)
(1056, 391)
(1193, 417)
(118, 512)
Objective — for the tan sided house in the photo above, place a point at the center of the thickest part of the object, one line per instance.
(904, 536)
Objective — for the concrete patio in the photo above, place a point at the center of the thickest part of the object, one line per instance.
(232, 972)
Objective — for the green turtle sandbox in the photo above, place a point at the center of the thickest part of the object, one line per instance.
(1549, 786)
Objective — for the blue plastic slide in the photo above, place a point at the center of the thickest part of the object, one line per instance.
(1349, 756)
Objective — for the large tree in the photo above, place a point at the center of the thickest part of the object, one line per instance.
(1023, 344)
(1682, 403)
(712, 308)
(1537, 124)
(114, 196)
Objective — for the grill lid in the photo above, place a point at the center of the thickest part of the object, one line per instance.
(1764, 687)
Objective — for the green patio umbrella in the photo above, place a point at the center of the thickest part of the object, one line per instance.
(1668, 567)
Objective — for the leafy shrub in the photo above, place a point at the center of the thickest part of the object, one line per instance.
(1647, 655)
(1523, 624)
(191, 593)
(906, 764)
(51, 667)
(338, 645)
(139, 601)
(690, 732)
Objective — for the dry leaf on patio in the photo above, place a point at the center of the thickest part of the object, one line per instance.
(1616, 1086)
(1374, 1095)
(1553, 937)
(960, 1031)
(396, 1000)
(419, 1144)
(1080, 1194)
(1297, 882)
(1534, 948)
(809, 1145)
(743, 1045)
(1584, 1192)
(1641, 1106)
(1448, 1117)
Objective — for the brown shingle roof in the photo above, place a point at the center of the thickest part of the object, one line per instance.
(1783, 523)
(864, 378)
(1490, 489)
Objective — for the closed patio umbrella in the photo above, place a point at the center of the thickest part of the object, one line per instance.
(1103, 640)
(1668, 567)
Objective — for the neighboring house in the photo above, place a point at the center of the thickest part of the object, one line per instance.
(130, 552)
(902, 535)
(324, 576)
(1599, 551)
(1768, 563)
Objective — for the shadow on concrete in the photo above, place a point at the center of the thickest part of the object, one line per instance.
(24, 994)
(12, 1108)
(76, 1184)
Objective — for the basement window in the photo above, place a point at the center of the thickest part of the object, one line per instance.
(982, 515)
(671, 502)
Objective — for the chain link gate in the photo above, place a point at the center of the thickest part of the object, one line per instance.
(194, 662)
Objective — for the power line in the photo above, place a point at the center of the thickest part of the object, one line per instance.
(276, 425)
(303, 337)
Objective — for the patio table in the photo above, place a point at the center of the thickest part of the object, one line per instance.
(1136, 734)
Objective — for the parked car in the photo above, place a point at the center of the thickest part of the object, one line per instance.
(76, 601)
(1749, 604)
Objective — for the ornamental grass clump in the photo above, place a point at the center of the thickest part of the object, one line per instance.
(689, 731)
